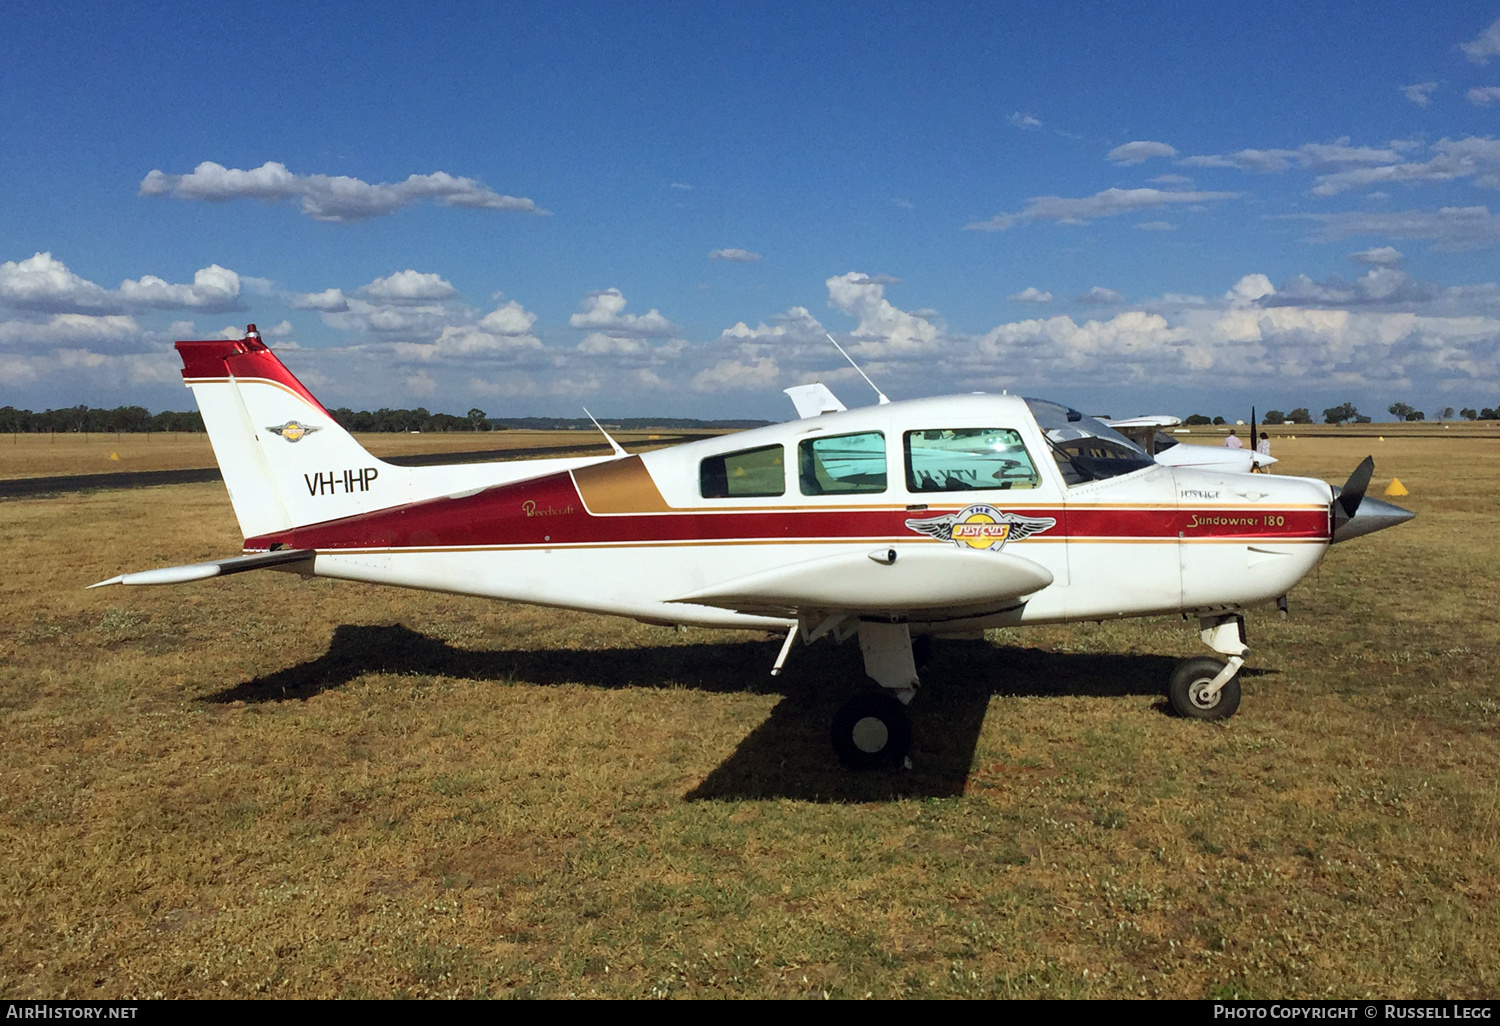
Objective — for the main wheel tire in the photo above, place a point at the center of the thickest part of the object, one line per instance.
(1191, 678)
(872, 732)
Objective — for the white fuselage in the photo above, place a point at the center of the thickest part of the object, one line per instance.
(634, 536)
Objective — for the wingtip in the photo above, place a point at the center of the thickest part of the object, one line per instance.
(112, 580)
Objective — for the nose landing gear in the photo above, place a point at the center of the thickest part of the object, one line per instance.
(872, 731)
(1191, 693)
(1205, 688)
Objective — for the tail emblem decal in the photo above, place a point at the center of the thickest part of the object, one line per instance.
(293, 431)
(981, 527)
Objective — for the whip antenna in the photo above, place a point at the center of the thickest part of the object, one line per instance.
(619, 449)
(883, 399)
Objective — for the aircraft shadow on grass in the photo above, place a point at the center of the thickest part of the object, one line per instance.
(789, 755)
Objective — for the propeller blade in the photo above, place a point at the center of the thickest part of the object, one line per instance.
(1254, 443)
(1353, 492)
(1354, 515)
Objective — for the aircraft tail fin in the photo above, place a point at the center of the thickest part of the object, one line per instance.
(285, 460)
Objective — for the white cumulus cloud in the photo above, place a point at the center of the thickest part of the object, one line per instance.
(859, 296)
(213, 288)
(735, 376)
(604, 311)
(44, 283)
(1081, 210)
(1483, 46)
(797, 325)
(1449, 228)
(1471, 157)
(1140, 152)
(69, 330)
(735, 256)
(41, 282)
(1338, 153)
(328, 301)
(409, 287)
(1421, 93)
(1031, 294)
(329, 197)
(1100, 296)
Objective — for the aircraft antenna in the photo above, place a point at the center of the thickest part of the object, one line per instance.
(616, 446)
(883, 399)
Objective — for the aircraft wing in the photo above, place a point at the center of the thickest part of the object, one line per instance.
(1216, 457)
(883, 581)
(284, 558)
(1142, 430)
(1155, 422)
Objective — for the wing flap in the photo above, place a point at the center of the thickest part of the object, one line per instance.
(217, 568)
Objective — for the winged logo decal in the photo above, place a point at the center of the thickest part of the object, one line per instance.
(981, 526)
(293, 431)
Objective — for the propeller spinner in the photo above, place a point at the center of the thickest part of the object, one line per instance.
(1354, 514)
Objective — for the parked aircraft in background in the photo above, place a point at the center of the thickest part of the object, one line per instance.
(1151, 434)
(929, 517)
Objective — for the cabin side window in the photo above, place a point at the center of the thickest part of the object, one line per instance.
(968, 459)
(747, 474)
(842, 464)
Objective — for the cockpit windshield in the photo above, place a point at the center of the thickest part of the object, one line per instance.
(1086, 449)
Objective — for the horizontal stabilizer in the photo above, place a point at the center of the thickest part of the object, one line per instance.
(218, 568)
(814, 400)
(891, 579)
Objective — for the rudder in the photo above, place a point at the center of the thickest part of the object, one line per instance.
(286, 462)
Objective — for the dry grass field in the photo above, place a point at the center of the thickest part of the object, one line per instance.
(270, 786)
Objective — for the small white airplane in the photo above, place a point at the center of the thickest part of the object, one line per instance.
(1150, 433)
(899, 521)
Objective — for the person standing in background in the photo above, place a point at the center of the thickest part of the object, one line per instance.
(1263, 448)
(1233, 441)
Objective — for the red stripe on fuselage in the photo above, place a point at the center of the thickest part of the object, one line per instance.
(549, 511)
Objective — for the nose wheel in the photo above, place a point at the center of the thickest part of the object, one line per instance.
(872, 731)
(1192, 694)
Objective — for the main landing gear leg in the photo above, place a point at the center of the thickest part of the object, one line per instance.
(1205, 688)
(873, 730)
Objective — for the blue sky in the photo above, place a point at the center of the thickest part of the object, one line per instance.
(659, 208)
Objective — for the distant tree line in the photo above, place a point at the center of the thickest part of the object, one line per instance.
(135, 419)
(477, 420)
(410, 420)
(1347, 413)
(623, 423)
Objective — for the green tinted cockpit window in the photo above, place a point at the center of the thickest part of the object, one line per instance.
(748, 473)
(842, 464)
(967, 459)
